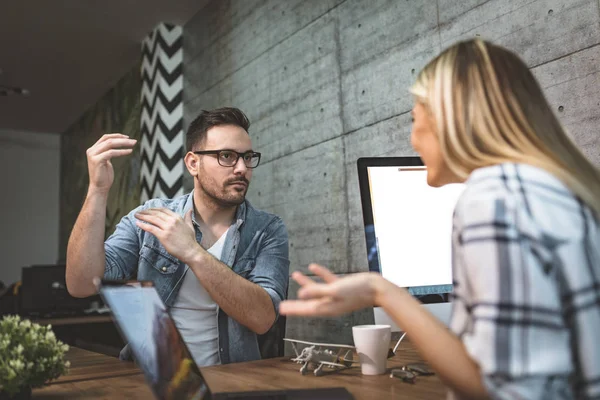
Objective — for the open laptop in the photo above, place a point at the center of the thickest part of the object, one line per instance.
(408, 229)
(160, 352)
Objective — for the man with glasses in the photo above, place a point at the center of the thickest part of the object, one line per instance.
(219, 264)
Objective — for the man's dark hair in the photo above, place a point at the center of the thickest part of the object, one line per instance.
(196, 133)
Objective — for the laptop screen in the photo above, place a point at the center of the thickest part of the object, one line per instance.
(408, 225)
(155, 342)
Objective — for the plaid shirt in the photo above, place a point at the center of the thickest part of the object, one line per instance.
(526, 256)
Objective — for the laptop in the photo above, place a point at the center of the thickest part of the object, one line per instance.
(160, 352)
(408, 230)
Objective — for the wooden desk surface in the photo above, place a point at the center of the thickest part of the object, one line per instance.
(102, 377)
(96, 376)
(281, 373)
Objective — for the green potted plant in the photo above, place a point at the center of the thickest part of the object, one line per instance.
(30, 356)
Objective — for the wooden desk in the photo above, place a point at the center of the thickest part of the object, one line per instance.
(281, 373)
(101, 377)
(96, 376)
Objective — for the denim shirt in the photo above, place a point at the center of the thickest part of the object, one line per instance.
(256, 248)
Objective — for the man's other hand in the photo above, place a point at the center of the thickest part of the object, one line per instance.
(176, 234)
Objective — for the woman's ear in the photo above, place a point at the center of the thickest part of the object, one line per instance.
(192, 163)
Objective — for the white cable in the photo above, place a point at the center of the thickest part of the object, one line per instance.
(399, 340)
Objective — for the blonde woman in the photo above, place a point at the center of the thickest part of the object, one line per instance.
(526, 238)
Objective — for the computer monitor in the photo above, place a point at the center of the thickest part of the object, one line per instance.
(408, 229)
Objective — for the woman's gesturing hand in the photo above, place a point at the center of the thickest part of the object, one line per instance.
(335, 296)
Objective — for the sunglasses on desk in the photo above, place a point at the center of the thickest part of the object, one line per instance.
(409, 372)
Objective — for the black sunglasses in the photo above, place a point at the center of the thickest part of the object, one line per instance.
(408, 373)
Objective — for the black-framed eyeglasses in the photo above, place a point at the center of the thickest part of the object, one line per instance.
(229, 158)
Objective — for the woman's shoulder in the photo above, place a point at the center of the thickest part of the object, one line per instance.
(518, 181)
(535, 198)
(517, 177)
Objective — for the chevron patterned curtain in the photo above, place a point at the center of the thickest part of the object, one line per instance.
(162, 137)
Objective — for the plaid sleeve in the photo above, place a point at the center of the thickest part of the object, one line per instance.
(579, 279)
(508, 309)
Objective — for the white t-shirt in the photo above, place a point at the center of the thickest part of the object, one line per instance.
(196, 315)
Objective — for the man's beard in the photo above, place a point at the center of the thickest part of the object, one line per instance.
(224, 198)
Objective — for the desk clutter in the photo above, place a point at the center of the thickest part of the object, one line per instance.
(42, 296)
(42, 293)
(325, 358)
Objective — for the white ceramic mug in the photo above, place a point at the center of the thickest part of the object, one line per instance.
(372, 344)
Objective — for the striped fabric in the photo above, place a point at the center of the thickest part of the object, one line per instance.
(526, 256)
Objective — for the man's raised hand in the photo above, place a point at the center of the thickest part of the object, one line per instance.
(99, 155)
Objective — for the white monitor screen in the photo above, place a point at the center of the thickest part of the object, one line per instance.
(412, 227)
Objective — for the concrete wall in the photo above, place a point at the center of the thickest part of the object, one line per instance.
(29, 172)
(325, 82)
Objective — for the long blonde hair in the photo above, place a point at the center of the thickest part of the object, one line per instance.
(489, 109)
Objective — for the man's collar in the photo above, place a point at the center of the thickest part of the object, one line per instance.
(240, 213)
(189, 205)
